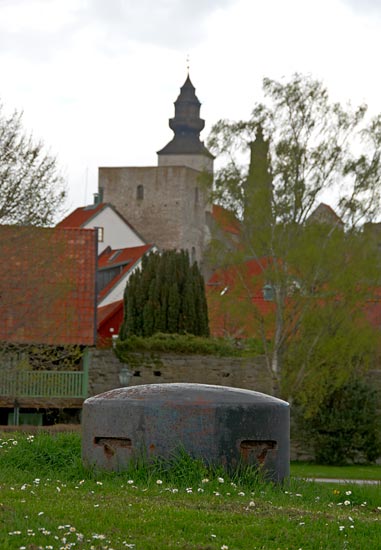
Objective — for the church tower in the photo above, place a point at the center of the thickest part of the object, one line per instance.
(166, 204)
(186, 149)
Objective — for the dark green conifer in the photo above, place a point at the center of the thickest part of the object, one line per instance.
(189, 302)
(173, 309)
(149, 310)
(201, 305)
(166, 295)
(258, 194)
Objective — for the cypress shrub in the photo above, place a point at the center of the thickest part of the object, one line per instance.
(167, 295)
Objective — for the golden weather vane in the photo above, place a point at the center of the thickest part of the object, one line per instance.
(188, 64)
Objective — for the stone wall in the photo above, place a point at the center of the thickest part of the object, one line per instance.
(247, 373)
(197, 162)
(154, 368)
(163, 368)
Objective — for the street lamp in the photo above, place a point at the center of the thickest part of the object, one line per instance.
(268, 293)
(124, 376)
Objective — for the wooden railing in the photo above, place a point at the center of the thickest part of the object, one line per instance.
(58, 384)
(46, 383)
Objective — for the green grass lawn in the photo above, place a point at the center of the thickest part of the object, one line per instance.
(49, 501)
(305, 469)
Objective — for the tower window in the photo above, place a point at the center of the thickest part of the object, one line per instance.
(140, 192)
(196, 197)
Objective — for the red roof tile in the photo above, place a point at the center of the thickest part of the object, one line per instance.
(237, 306)
(372, 309)
(47, 285)
(226, 220)
(80, 216)
(236, 302)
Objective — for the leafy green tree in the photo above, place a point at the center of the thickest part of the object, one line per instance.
(167, 295)
(31, 189)
(319, 269)
(346, 426)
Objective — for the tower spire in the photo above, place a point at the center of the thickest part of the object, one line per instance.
(186, 125)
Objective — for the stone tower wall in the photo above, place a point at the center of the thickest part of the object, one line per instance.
(171, 214)
(198, 162)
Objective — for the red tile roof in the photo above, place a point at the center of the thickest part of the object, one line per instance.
(80, 216)
(84, 214)
(226, 219)
(372, 309)
(47, 285)
(235, 300)
(125, 257)
(237, 306)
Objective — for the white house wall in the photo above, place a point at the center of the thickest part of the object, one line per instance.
(116, 232)
(116, 292)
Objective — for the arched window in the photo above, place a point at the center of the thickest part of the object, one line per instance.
(196, 195)
(140, 192)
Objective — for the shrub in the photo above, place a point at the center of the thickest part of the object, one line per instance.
(177, 343)
(166, 295)
(346, 427)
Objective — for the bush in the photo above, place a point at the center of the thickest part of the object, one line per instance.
(346, 427)
(166, 295)
(177, 343)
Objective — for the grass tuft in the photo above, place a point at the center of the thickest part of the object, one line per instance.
(42, 454)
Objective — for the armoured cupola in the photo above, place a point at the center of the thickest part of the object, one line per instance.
(186, 125)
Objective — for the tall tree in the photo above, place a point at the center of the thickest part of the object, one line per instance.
(31, 188)
(167, 295)
(257, 193)
(318, 271)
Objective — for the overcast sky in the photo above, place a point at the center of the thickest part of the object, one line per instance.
(97, 79)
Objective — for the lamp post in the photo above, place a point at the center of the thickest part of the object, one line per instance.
(16, 413)
(124, 376)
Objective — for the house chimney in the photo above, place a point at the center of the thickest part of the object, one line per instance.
(98, 197)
